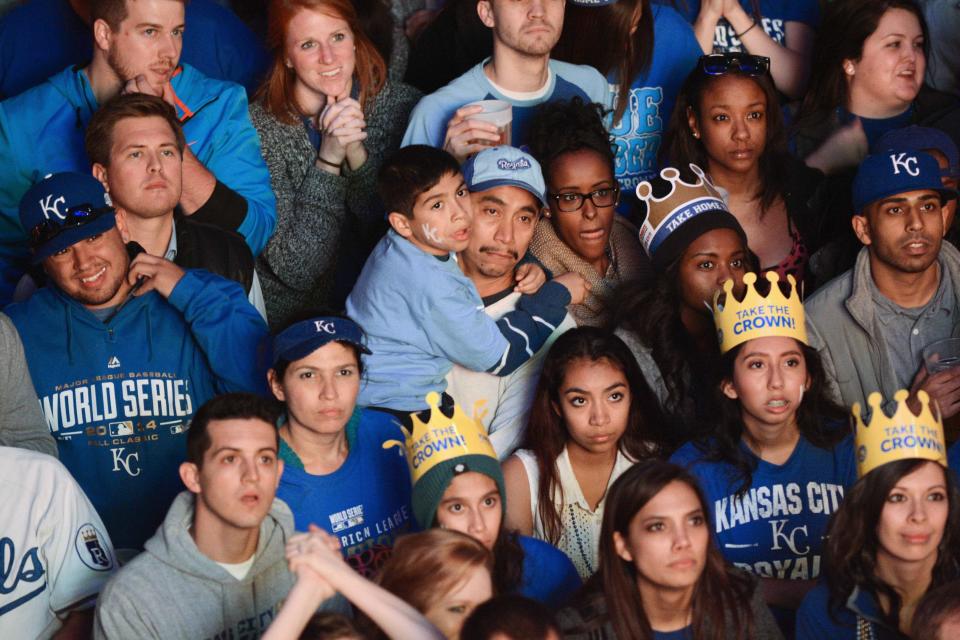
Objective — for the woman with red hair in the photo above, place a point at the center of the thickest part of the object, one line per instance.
(327, 116)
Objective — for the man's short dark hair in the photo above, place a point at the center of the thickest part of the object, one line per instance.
(935, 608)
(513, 616)
(411, 171)
(113, 12)
(229, 406)
(98, 139)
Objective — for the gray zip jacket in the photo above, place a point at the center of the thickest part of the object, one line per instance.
(173, 591)
(842, 326)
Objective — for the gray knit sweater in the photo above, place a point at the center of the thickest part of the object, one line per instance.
(313, 206)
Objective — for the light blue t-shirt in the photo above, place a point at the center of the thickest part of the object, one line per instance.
(774, 16)
(776, 529)
(428, 122)
(366, 502)
(653, 93)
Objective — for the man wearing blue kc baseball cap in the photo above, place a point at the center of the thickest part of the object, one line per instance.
(122, 352)
(872, 323)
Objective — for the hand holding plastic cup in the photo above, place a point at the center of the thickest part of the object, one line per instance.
(498, 113)
(942, 355)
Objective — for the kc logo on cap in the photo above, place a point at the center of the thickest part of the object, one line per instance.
(896, 171)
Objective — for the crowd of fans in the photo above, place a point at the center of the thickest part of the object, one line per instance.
(479, 319)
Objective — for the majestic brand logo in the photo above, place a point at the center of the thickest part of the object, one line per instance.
(113, 362)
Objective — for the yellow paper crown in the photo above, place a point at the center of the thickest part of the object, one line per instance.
(758, 316)
(442, 438)
(901, 437)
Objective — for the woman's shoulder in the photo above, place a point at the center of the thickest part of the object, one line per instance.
(814, 620)
(548, 574)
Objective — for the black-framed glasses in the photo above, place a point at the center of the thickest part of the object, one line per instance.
(602, 198)
(717, 64)
(74, 217)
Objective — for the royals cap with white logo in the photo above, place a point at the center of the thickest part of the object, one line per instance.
(63, 209)
(505, 166)
(894, 171)
(303, 338)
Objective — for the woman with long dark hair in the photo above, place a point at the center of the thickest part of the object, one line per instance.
(728, 121)
(660, 575)
(593, 416)
(894, 538)
(780, 456)
(669, 328)
(327, 116)
(781, 31)
(646, 51)
(870, 58)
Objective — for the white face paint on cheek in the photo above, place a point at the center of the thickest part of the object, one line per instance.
(430, 233)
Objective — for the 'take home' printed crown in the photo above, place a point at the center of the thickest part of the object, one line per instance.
(442, 438)
(685, 201)
(903, 436)
(758, 316)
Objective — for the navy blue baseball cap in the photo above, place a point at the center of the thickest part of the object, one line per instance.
(303, 338)
(505, 166)
(896, 171)
(63, 209)
(917, 138)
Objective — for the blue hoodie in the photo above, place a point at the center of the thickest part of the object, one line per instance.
(118, 397)
(42, 129)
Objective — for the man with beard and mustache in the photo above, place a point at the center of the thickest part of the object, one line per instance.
(872, 323)
(507, 192)
(136, 145)
(520, 72)
(137, 46)
(123, 352)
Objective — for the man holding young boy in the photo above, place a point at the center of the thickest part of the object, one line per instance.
(520, 72)
(420, 312)
(507, 193)
(216, 568)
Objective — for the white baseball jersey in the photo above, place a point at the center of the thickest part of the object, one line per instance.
(55, 555)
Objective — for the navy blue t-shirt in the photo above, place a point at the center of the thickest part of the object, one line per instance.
(366, 502)
(653, 93)
(774, 16)
(777, 528)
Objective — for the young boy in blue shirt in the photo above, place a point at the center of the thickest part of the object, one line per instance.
(420, 312)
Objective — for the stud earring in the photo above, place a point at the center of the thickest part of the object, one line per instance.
(696, 134)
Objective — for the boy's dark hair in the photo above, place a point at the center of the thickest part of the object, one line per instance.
(411, 171)
(98, 139)
(327, 625)
(512, 616)
(229, 406)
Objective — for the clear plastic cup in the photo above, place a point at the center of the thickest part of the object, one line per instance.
(496, 112)
(942, 355)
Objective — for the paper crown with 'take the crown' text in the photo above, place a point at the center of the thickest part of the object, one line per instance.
(903, 436)
(758, 316)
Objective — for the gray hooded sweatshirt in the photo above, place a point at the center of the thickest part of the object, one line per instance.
(173, 591)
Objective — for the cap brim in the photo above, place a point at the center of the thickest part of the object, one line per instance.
(306, 347)
(944, 193)
(491, 184)
(69, 237)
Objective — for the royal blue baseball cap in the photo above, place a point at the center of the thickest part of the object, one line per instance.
(917, 138)
(896, 171)
(63, 209)
(303, 338)
(505, 166)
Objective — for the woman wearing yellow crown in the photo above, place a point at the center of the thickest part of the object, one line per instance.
(897, 533)
(777, 464)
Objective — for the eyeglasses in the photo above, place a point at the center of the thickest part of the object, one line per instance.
(603, 198)
(74, 217)
(717, 64)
